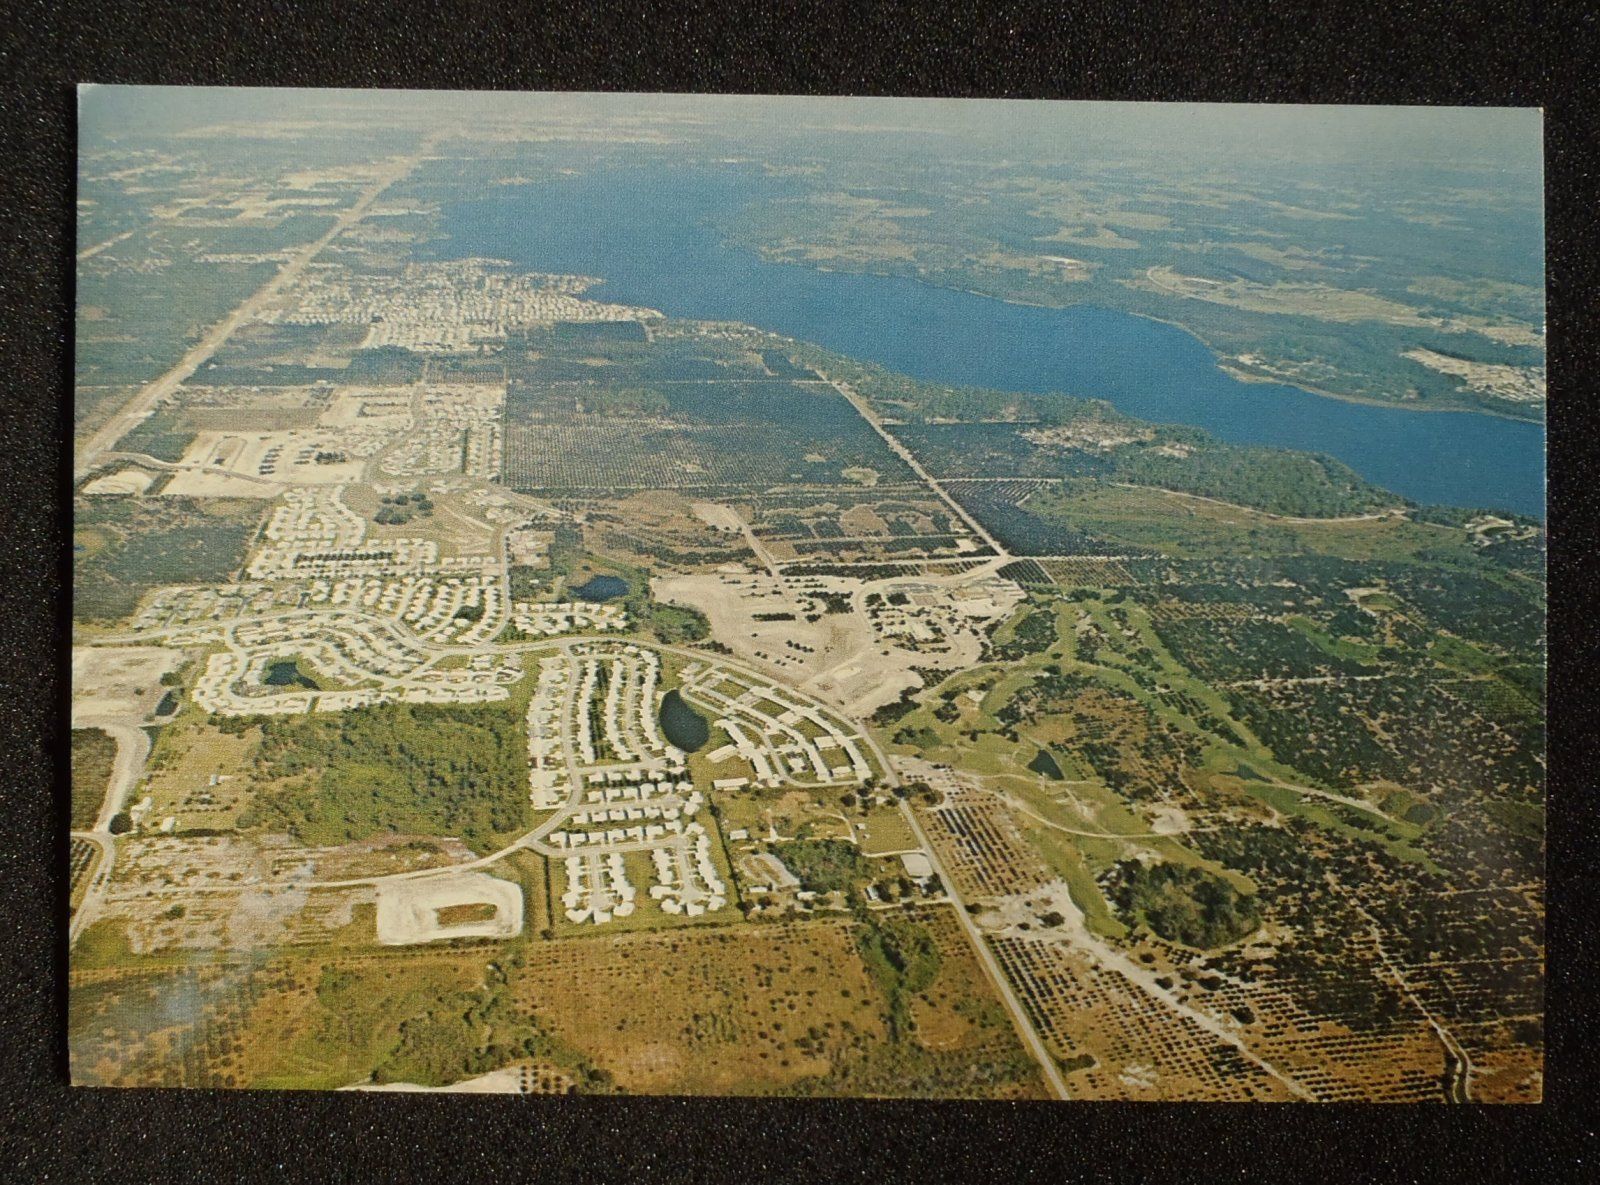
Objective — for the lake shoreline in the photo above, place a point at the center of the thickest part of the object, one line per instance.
(1220, 357)
(658, 246)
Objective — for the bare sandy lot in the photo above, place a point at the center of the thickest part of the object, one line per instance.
(119, 681)
(718, 516)
(367, 406)
(839, 657)
(124, 481)
(408, 910)
(509, 1080)
(763, 622)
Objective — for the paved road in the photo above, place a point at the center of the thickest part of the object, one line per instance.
(906, 455)
(133, 748)
(106, 437)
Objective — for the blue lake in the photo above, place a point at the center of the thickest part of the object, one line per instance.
(648, 232)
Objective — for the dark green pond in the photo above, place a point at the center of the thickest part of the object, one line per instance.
(1044, 763)
(681, 724)
(286, 673)
(601, 588)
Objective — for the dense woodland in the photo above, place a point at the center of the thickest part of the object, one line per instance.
(425, 769)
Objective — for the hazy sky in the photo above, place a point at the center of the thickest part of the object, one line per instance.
(1509, 137)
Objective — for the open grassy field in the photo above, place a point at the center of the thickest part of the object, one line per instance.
(124, 548)
(92, 754)
(886, 830)
(773, 1010)
(200, 775)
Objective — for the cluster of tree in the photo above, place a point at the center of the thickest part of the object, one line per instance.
(424, 769)
(1182, 904)
(455, 1035)
(920, 738)
(1301, 484)
(93, 754)
(398, 509)
(164, 435)
(675, 624)
(823, 865)
(903, 960)
(1033, 633)
(896, 709)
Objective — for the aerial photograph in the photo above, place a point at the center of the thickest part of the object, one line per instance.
(708, 595)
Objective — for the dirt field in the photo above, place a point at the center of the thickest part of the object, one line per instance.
(124, 481)
(223, 893)
(383, 855)
(409, 910)
(258, 464)
(835, 657)
(119, 681)
(718, 516)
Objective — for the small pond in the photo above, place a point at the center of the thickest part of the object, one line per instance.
(681, 724)
(285, 672)
(601, 588)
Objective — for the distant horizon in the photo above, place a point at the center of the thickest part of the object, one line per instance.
(1368, 134)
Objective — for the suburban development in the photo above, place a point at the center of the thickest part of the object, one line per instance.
(519, 647)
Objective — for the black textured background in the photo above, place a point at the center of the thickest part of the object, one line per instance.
(1399, 52)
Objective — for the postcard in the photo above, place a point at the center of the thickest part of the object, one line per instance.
(700, 595)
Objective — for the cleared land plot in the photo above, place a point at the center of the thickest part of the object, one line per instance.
(119, 681)
(415, 911)
(200, 776)
(123, 481)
